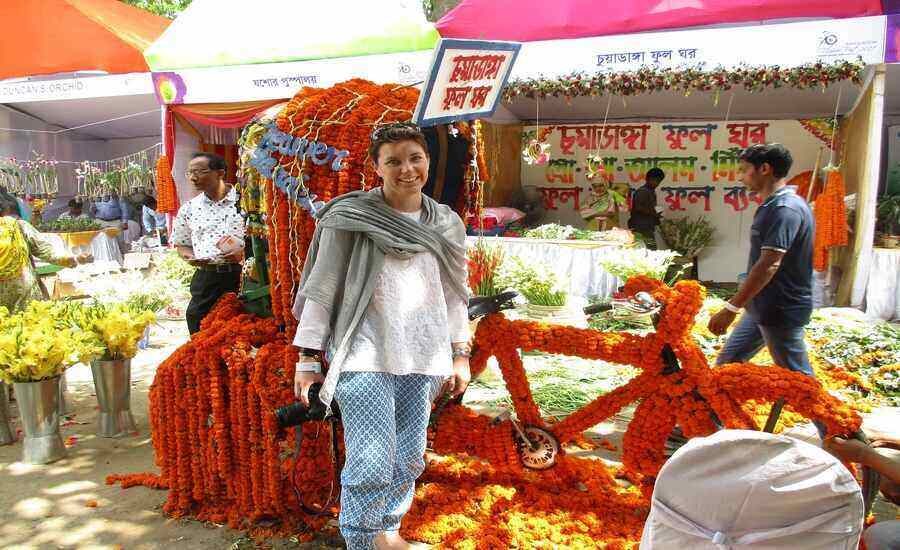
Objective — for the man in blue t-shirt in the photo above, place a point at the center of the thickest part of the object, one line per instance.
(777, 292)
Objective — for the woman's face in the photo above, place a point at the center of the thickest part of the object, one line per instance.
(403, 166)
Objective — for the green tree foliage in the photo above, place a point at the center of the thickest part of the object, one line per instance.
(166, 8)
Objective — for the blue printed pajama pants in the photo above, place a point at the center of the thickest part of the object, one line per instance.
(385, 419)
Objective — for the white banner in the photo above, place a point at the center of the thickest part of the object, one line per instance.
(76, 88)
(283, 80)
(786, 45)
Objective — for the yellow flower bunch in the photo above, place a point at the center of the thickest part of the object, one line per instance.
(115, 328)
(36, 345)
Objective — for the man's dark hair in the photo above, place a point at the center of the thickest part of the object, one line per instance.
(655, 174)
(395, 132)
(215, 161)
(150, 203)
(775, 155)
(9, 206)
(75, 203)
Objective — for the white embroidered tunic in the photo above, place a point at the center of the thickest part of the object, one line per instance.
(408, 326)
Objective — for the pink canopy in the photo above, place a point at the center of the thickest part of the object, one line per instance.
(528, 20)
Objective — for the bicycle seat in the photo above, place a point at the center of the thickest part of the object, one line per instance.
(480, 306)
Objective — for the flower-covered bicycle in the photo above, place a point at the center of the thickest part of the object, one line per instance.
(676, 387)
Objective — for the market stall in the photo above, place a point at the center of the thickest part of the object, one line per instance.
(89, 99)
(611, 108)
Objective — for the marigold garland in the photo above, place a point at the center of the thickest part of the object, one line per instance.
(684, 398)
(166, 192)
(831, 220)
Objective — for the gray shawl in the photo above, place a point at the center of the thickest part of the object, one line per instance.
(354, 233)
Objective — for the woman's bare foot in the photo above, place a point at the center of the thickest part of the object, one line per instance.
(391, 540)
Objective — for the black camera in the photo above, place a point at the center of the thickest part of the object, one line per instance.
(298, 413)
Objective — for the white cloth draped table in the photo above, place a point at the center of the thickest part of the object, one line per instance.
(883, 290)
(104, 247)
(577, 261)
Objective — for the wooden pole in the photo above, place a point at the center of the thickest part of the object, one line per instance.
(849, 292)
(812, 180)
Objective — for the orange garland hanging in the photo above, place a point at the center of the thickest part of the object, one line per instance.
(831, 219)
(166, 192)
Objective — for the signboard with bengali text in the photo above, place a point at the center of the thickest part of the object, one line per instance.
(699, 158)
(466, 80)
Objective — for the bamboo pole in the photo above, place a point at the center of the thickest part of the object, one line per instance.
(812, 180)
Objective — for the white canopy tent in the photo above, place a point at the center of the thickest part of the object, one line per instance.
(72, 118)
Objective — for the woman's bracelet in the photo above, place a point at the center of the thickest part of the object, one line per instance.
(308, 366)
(461, 351)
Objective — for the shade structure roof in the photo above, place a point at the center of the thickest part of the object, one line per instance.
(43, 37)
(530, 20)
(216, 33)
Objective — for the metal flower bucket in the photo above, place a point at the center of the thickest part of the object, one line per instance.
(112, 382)
(6, 434)
(39, 410)
(64, 407)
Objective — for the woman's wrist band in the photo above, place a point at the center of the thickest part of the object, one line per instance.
(308, 366)
(733, 308)
(462, 351)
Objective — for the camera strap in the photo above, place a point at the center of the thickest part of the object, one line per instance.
(336, 473)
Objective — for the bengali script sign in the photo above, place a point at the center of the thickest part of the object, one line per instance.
(465, 81)
(632, 137)
(562, 194)
(700, 161)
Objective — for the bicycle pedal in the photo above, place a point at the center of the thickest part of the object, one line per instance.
(500, 418)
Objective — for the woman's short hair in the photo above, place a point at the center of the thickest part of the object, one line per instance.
(395, 132)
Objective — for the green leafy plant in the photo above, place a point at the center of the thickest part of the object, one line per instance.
(69, 225)
(888, 214)
(550, 231)
(556, 232)
(172, 267)
(846, 342)
(627, 263)
(686, 236)
(166, 8)
(535, 281)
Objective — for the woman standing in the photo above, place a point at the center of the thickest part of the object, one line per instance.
(19, 241)
(386, 299)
